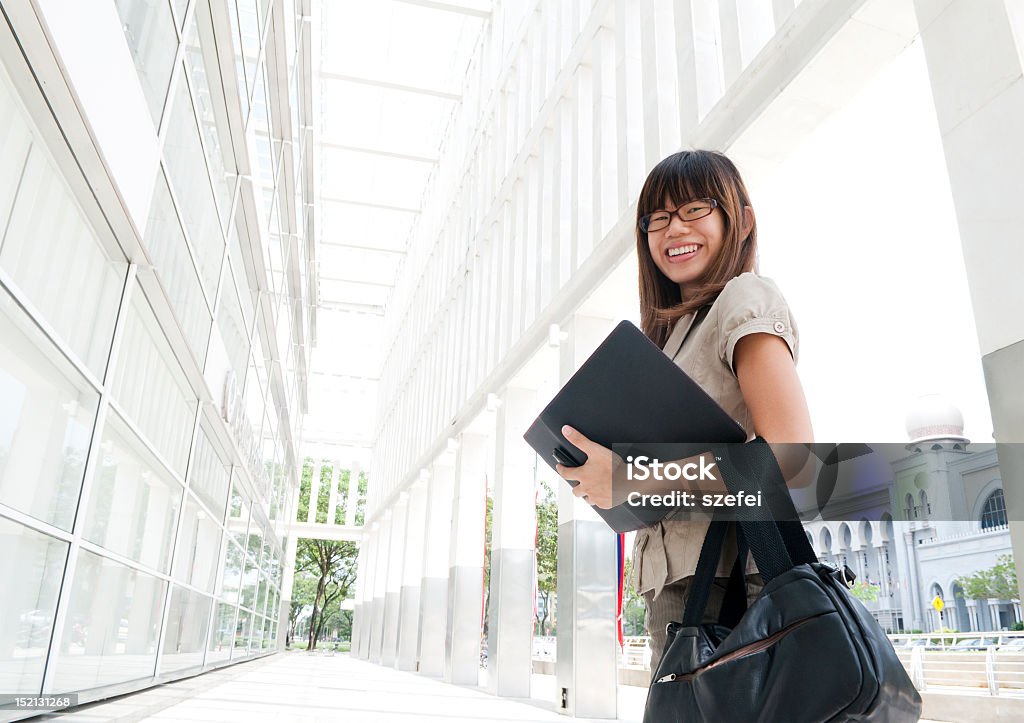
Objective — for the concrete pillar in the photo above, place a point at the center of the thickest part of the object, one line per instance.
(975, 66)
(513, 538)
(357, 607)
(972, 615)
(412, 578)
(587, 647)
(353, 493)
(434, 588)
(314, 490)
(288, 580)
(389, 649)
(365, 576)
(993, 613)
(380, 570)
(466, 562)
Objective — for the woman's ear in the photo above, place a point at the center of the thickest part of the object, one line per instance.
(748, 222)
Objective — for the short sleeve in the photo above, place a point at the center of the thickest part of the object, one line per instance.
(752, 304)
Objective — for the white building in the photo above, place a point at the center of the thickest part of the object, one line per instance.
(948, 520)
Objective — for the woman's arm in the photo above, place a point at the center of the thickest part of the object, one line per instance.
(773, 394)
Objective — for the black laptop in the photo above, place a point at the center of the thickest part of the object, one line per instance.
(631, 395)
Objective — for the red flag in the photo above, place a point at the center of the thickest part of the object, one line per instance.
(621, 544)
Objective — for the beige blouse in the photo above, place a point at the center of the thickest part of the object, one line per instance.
(749, 304)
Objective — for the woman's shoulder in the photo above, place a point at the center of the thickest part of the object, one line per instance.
(750, 284)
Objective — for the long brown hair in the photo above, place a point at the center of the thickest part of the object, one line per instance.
(680, 178)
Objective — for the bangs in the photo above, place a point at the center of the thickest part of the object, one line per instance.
(680, 178)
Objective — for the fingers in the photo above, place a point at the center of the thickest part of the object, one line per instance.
(577, 437)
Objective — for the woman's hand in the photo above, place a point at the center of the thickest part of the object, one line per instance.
(595, 475)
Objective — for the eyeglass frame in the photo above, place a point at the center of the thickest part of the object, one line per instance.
(712, 204)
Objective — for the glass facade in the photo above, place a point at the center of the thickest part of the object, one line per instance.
(148, 419)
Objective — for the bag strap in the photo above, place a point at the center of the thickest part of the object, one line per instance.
(777, 544)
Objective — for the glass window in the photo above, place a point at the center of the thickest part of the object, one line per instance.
(249, 580)
(233, 330)
(202, 63)
(186, 168)
(994, 512)
(149, 30)
(185, 638)
(223, 633)
(195, 553)
(113, 620)
(15, 140)
(231, 562)
(243, 629)
(51, 252)
(238, 515)
(35, 562)
(46, 420)
(151, 388)
(165, 242)
(133, 504)
(209, 476)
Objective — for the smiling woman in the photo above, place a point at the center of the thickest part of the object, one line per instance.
(729, 329)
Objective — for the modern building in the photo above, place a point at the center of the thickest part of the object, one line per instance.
(156, 316)
(237, 235)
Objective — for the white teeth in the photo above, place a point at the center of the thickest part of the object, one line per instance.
(682, 250)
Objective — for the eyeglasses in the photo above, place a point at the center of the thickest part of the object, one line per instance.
(687, 212)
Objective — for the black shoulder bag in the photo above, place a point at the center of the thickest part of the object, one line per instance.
(805, 650)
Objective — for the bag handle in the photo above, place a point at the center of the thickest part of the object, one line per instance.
(777, 545)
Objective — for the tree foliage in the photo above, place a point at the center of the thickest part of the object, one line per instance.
(547, 559)
(865, 591)
(633, 608)
(998, 581)
(325, 572)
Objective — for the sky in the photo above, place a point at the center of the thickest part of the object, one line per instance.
(858, 229)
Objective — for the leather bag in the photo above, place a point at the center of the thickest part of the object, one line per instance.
(805, 650)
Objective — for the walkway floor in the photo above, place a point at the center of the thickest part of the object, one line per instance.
(299, 687)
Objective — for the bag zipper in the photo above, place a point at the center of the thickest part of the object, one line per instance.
(743, 652)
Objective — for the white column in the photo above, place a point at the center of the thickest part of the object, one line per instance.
(412, 577)
(466, 562)
(332, 499)
(434, 588)
(353, 493)
(586, 667)
(511, 598)
(314, 491)
(973, 52)
(389, 649)
(380, 573)
(288, 577)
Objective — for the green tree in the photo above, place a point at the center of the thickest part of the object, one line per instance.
(633, 608)
(332, 565)
(998, 581)
(547, 559)
(865, 591)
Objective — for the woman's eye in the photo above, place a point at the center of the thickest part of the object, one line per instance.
(696, 210)
(659, 217)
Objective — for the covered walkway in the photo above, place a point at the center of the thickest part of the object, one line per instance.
(296, 686)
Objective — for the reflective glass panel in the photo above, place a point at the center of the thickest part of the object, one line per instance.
(35, 562)
(113, 620)
(223, 633)
(46, 420)
(149, 30)
(50, 250)
(209, 475)
(185, 639)
(133, 504)
(186, 168)
(243, 629)
(231, 579)
(151, 388)
(166, 245)
(195, 556)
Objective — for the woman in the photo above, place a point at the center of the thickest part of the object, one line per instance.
(731, 330)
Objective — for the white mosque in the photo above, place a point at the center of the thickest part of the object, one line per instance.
(937, 514)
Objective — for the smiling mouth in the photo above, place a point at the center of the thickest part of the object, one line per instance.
(684, 251)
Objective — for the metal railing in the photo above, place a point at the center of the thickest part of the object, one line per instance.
(992, 660)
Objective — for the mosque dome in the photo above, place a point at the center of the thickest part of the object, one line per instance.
(934, 417)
